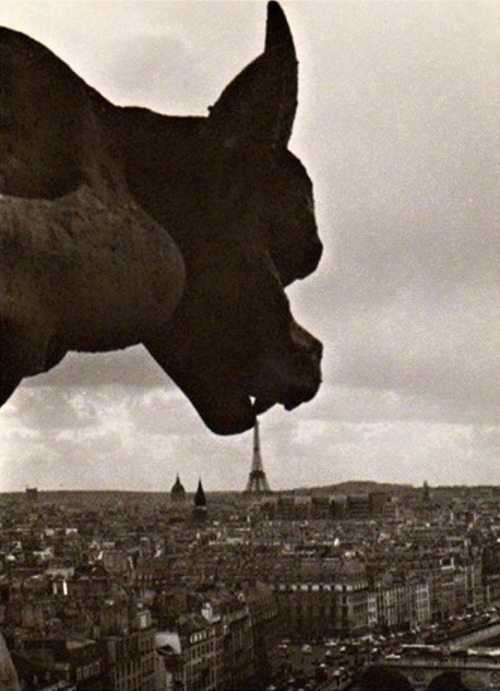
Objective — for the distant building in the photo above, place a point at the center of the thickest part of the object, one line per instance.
(200, 662)
(263, 612)
(339, 506)
(383, 505)
(354, 601)
(178, 493)
(321, 507)
(32, 494)
(200, 504)
(358, 507)
(59, 663)
(129, 644)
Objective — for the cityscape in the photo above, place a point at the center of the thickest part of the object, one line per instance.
(354, 586)
(161, 204)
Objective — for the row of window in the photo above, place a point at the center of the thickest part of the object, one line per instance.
(202, 649)
(201, 635)
(320, 587)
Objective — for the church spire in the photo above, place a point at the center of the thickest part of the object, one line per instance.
(199, 511)
(200, 499)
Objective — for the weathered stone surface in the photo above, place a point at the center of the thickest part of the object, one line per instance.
(8, 674)
(82, 265)
(90, 276)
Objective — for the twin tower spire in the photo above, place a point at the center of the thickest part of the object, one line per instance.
(257, 482)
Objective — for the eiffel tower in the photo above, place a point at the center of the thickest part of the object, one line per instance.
(257, 481)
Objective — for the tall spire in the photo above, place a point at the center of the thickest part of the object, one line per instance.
(199, 511)
(257, 481)
(199, 498)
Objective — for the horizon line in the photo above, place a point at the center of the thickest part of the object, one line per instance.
(237, 491)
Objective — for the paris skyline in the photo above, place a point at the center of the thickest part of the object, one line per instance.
(397, 125)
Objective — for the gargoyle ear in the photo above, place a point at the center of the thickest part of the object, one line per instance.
(259, 104)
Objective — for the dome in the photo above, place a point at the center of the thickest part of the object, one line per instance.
(178, 493)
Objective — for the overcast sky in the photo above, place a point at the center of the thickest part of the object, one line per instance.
(398, 126)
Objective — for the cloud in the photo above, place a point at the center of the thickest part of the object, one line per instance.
(176, 59)
(132, 367)
(324, 452)
(111, 437)
(158, 71)
(440, 348)
(53, 409)
(397, 124)
(141, 439)
(359, 404)
(407, 297)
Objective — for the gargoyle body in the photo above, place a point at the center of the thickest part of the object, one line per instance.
(121, 226)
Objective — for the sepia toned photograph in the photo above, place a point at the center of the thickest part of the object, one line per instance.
(249, 345)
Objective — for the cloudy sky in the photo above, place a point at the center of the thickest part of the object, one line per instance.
(398, 126)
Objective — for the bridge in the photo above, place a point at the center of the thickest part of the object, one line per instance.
(434, 667)
(478, 636)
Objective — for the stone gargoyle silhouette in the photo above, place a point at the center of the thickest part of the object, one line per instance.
(122, 226)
